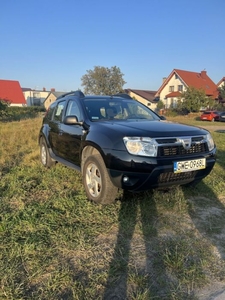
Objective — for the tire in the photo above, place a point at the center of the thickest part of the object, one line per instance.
(46, 159)
(97, 184)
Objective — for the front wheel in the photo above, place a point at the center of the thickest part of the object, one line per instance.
(97, 184)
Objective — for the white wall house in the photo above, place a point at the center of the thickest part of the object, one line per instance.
(179, 80)
(35, 97)
(221, 82)
(146, 97)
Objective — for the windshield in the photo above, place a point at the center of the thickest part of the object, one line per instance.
(118, 110)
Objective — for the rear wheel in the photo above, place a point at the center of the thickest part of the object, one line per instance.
(46, 159)
(97, 184)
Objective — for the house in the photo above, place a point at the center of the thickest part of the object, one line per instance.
(35, 97)
(144, 96)
(11, 91)
(221, 82)
(53, 95)
(179, 80)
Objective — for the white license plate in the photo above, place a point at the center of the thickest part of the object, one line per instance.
(189, 165)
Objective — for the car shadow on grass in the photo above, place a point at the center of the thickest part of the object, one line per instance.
(137, 270)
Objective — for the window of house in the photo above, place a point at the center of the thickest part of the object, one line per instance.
(173, 103)
(176, 76)
(171, 88)
(180, 88)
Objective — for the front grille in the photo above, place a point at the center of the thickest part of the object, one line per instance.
(174, 150)
(171, 177)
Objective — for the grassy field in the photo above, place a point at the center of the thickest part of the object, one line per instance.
(54, 244)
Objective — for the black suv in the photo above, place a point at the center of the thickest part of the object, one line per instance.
(117, 142)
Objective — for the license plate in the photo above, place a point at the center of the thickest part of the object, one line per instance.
(189, 165)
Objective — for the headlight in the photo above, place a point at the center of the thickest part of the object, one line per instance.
(210, 142)
(143, 146)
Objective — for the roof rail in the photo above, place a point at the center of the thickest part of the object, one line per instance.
(123, 95)
(74, 93)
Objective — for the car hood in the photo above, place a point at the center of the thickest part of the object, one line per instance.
(152, 128)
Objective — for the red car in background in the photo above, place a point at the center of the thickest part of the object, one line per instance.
(210, 115)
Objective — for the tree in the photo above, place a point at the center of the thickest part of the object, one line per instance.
(103, 81)
(3, 106)
(221, 91)
(160, 105)
(193, 99)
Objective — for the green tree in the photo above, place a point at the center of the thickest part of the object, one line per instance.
(193, 99)
(221, 91)
(160, 105)
(3, 106)
(103, 81)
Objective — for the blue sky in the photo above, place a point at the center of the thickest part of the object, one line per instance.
(53, 43)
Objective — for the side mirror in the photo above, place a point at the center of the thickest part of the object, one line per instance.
(162, 117)
(71, 120)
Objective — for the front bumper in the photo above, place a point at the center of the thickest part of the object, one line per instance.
(141, 173)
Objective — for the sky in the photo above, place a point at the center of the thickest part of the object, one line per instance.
(53, 43)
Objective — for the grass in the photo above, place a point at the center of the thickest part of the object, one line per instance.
(54, 244)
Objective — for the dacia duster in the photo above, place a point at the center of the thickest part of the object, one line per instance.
(118, 143)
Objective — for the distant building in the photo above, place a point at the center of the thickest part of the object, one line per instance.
(35, 97)
(51, 98)
(144, 96)
(221, 82)
(179, 80)
(11, 91)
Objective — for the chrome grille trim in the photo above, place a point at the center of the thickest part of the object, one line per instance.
(174, 146)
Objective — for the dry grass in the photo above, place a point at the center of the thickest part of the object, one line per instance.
(54, 244)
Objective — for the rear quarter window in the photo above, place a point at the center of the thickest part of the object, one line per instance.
(50, 111)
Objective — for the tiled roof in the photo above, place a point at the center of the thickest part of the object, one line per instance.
(173, 94)
(56, 94)
(26, 89)
(10, 90)
(194, 79)
(148, 95)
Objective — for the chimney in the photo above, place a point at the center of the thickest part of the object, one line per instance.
(203, 74)
(44, 89)
(52, 89)
(164, 78)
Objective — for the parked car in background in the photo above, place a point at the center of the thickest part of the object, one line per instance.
(209, 115)
(118, 143)
(220, 117)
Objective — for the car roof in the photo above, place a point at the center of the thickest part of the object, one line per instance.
(79, 94)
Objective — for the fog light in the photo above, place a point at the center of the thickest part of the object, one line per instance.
(125, 179)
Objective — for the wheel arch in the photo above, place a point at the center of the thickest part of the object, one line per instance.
(88, 151)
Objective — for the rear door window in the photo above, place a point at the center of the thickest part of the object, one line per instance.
(58, 112)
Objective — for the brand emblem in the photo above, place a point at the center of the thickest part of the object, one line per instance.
(186, 143)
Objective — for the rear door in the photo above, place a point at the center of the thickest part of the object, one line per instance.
(71, 135)
(55, 128)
